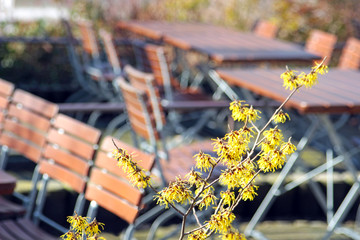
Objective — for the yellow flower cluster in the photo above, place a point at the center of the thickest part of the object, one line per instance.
(198, 235)
(136, 175)
(80, 226)
(233, 235)
(242, 112)
(221, 221)
(293, 81)
(176, 192)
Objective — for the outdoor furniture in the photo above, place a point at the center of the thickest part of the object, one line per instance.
(335, 93)
(350, 56)
(321, 43)
(265, 29)
(221, 45)
(24, 130)
(67, 157)
(125, 201)
(7, 183)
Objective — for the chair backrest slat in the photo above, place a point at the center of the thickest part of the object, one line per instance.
(350, 56)
(124, 199)
(321, 43)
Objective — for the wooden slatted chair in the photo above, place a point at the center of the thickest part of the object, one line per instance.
(67, 158)
(321, 43)
(8, 209)
(350, 56)
(148, 127)
(178, 161)
(265, 29)
(124, 200)
(25, 127)
(179, 110)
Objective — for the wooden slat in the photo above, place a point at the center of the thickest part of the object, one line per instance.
(3, 102)
(62, 174)
(35, 103)
(21, 147)
(30, 227)
(110, 49)
(24, 132)
(321, 43)
(73, 145)
(77, 128)
(30, 118)
(67, 160)
(15, 230)
(123, 189)
(112, 203)
(145, 160)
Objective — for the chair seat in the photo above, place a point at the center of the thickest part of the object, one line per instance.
(22, 229)
(9, 209)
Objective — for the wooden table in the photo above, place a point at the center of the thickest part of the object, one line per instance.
(337, 92)
(7, 183)
(220, 44)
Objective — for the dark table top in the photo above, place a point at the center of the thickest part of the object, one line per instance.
(220, 44)
(7, 183)
(336, 92)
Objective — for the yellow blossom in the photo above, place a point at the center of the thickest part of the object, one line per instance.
(137, 176)
(273, 137)
(228, 197)
(77, 223)
(233, 235)
(204, 161)
(207, 198)
(221, 221)
(288, 148)
(308, 80)
(280, 117)
(290, 80)
(320, 68)
(177, 191)
(194, 178)
(249, 192)
(197, 235)
(93, 228)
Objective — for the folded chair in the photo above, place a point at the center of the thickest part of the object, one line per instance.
(24, 131)
(67, 158)
(350, 55)
(265, 29)
(154, 61)
(110, 189)
(321, 43)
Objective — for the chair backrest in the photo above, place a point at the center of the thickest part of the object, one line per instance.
(350, 56)
(155, 61)
(139, 110)
(265, 29)
(89, 40)
(67, 158)
(110, 51)
(109, 186)
(26, 124)
(321, 43)
(69, 151)
(145, 82)
(6, 91)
